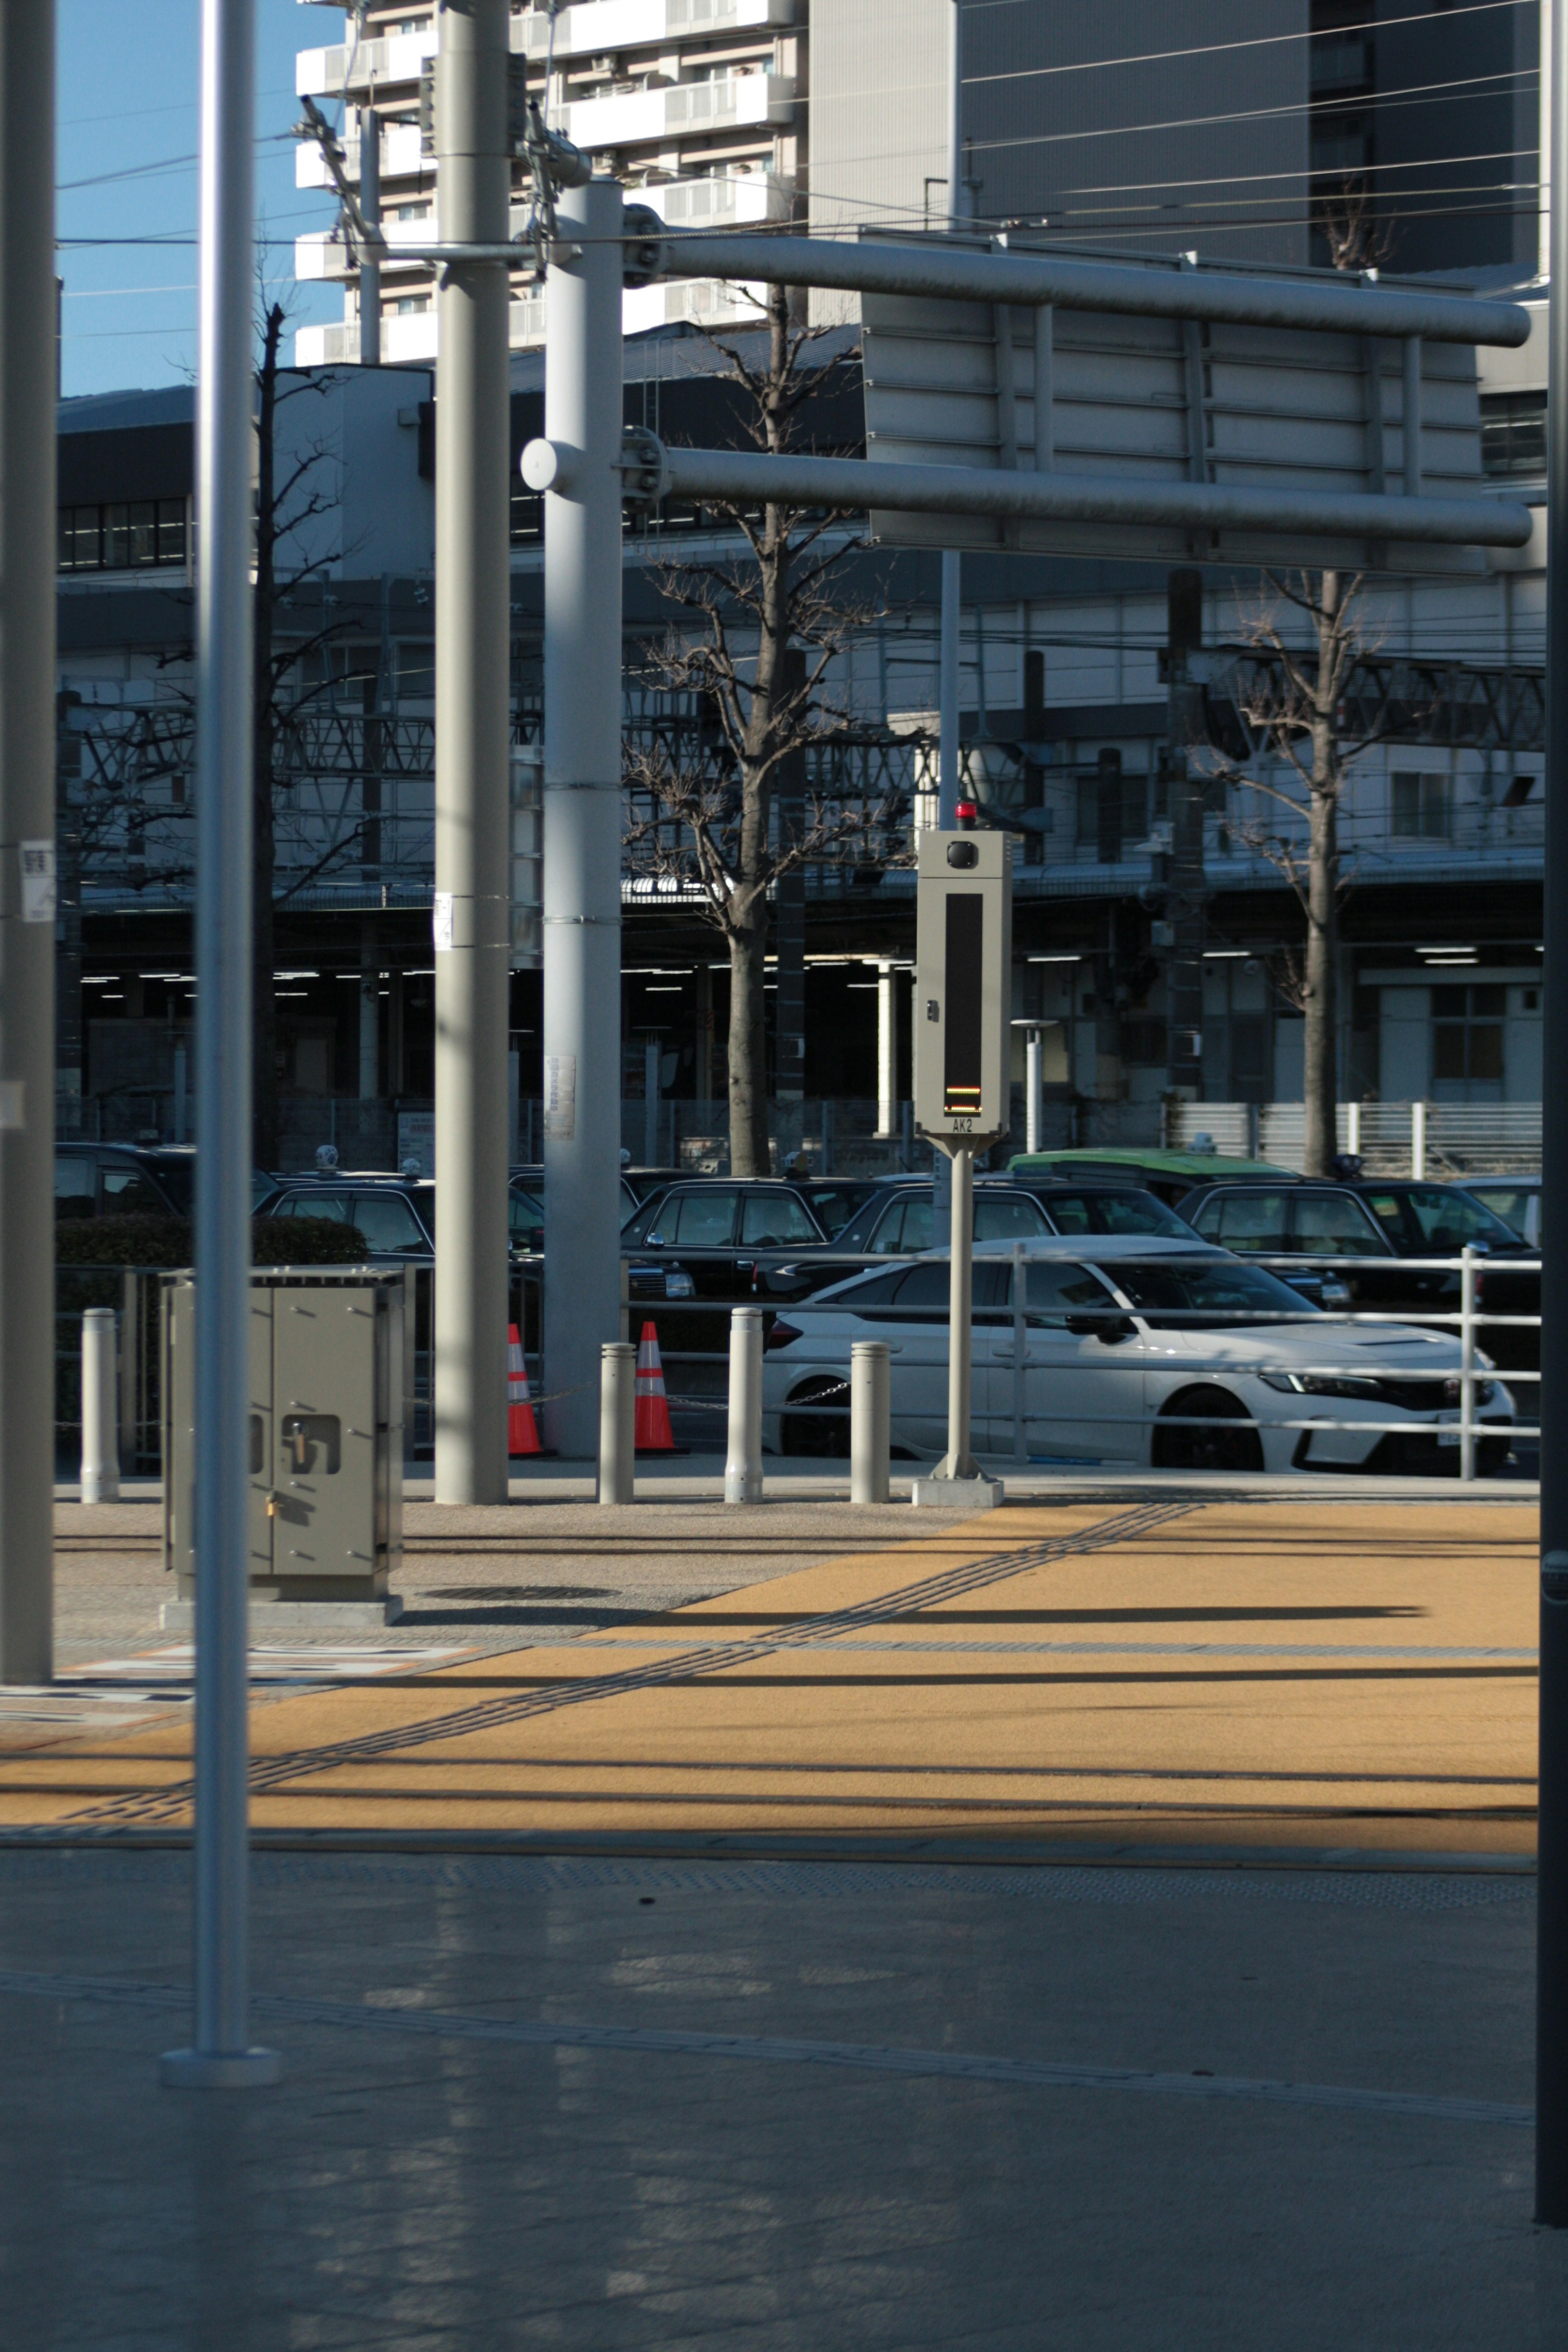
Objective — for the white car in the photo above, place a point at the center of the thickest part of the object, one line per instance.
(1127, 1349)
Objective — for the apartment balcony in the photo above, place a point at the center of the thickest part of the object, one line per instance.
(407, 338)
(353, 67)
(595, 27)
(677, 111)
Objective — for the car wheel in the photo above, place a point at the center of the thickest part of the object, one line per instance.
(1217, 1446)
(820, 1433)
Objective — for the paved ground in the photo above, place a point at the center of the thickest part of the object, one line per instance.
(586, 2106)
(1153, 1671)
(637, 2082)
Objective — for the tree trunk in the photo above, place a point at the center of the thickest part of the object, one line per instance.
(748, 1047)
(1321, 1042)
(264, 1138)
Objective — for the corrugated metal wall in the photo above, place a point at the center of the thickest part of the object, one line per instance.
(1076, 113)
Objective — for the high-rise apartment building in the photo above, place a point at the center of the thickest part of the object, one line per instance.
(701, 102)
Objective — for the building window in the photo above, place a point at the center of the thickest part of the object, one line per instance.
(1513, 433)
(409, 306)
(137, 535)
(1468, 1043)
(1423, 806)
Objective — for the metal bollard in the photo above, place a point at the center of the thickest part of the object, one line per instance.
(618, 1421)
(744, 1467)
(100, 1408)
(870, 1397)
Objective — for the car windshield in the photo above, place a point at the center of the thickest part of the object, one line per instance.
(1215, 1293)
(833, 1205)
(1451, 1221)
(1127, 1212)
(1511, 1203)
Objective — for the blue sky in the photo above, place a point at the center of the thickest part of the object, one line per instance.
(127, 105)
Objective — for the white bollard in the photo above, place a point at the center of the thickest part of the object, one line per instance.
(1418, 1140)
(744, 1467)
(100, 1408)
(1468, 1262)
(618, 1421)
(870, 1397)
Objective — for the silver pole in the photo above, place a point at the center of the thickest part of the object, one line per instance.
(958, 1461)
(221, 2057)
(1468, 1265)
(948, 787)
(617, 1422)
(100, 1408)
(870, 1403)
(1033, 1089)
(473, 781)
(887, 1048)
(27, 317)
(582, 814)
(370, 213)
(743, 1465)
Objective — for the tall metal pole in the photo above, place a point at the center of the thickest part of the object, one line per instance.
(952, 566)
(959, 1462)
(26, 840)
(221, 2057)
(1551, 1958)
(582, 814)
(1184, 970)
(473, 804)
(370, 213)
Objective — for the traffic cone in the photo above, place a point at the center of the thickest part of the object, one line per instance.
(522, 1437)
(654, 1433)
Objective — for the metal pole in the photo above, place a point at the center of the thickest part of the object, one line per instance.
(744, 1466)
(870, 1399)
(100, 1408)
(1418, 1139)
(1033, 1089)
(948, 786)
(1468, 1363)
(1551, 1950)
(583, 812)
(26, 840)
(370, 213)
(473, 784)
(958, 1461)
(221, 2057)
(618, 1421)
(652, 1064)
(887, 1049)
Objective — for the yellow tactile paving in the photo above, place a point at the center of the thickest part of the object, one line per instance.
(1266, 1674)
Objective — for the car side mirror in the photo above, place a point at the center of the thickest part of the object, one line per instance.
(1111, 1328)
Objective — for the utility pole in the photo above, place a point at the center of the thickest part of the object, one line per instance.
(1184, 982)
(582, 813)
(949, 793)
(370, 213)
(1551, 1950)
(27, 317)
(221, 2056)
(473, 800)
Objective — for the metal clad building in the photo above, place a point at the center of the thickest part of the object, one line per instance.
(1078, 114)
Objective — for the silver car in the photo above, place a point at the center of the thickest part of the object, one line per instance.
(1131, 1351)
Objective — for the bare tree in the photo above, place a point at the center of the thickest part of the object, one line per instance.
(757, 638)
(1346, 219)
(1294, 701)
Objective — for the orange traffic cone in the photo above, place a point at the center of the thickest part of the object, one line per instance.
(522, 1437)
(654, 1433)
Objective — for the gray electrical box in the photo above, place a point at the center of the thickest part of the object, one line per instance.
(326, 1432)
(964, 988)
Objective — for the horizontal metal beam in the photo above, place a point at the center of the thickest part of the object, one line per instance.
(856, 484)
(960, 274)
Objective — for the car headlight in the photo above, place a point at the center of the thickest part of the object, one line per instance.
(1335, 1293)
(678, 1284)
(1319, 1384)
(1289, 1382)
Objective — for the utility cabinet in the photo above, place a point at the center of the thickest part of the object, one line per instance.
(325, 1521)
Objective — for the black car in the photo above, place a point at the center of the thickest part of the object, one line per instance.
(396, 1215)
(897, 1220)
(1366, 1227)
(124, 1179)
(701, 1239)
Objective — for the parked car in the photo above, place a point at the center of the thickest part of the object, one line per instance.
(531, 1177)
(701, 1239)
(1137, 1350)
(396, 1215)
(897, 1221)
(1172, 1175)
(1515, 1199)
(125, 1180)
(1366, 1227)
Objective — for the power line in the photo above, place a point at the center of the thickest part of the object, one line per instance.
(1219, 49)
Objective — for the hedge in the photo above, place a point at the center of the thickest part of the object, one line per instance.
(169, 1241)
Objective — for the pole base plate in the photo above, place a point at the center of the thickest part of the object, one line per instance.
(977, 1494)
(235, 2069)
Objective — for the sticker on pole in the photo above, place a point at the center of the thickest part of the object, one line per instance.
(963, 959)
(40, 893)
(441, 920)
(560, 1097)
